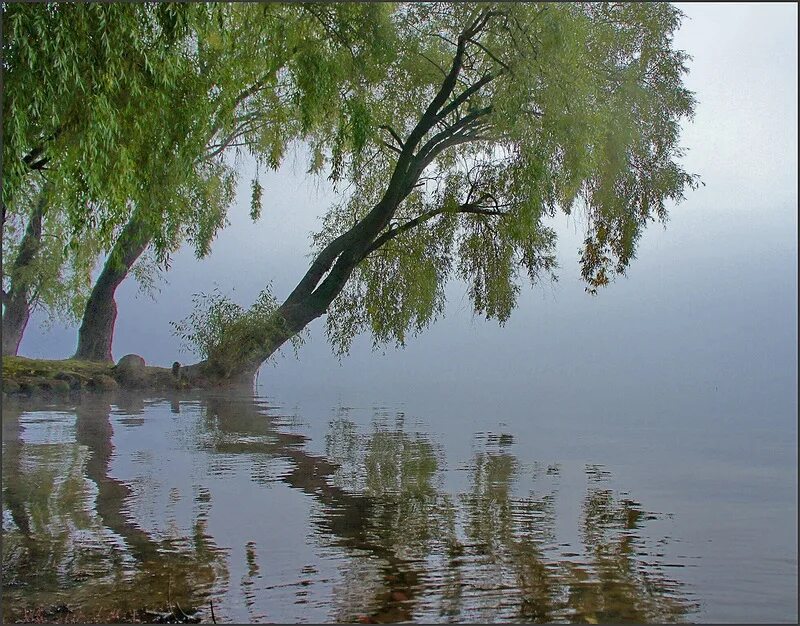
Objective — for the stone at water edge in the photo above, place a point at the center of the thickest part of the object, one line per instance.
(131, 362)
(131, 371)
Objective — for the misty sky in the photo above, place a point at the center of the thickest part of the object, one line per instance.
(710, 301)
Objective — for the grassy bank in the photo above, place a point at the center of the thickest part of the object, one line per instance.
(23, 377)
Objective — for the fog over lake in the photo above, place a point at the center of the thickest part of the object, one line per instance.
(674, 388)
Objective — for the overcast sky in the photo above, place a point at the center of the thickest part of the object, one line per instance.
(716, 288)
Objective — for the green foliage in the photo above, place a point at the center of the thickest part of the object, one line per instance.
(88, 112)
(211, 316)
(133, 110)
(256, 197)
(556, 107)
(147, 272)
(553, 107)
(81, 83)
(221, 330)
(58, 277)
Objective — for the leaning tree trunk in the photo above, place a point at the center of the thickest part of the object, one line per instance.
(241, 353)
(246, 348)
(17, 301)
(97, 326)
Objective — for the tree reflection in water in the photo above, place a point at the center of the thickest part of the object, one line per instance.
(407, 546)
(69, 538)
(488, 555)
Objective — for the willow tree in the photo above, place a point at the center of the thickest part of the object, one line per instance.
(126, 115)
(79, 83)
(37, 272)
(491, 118)
(260, 76)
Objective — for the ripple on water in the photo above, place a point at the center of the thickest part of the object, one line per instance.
(226, 499)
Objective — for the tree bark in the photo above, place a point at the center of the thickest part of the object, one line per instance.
(17, 301)
(96, 333)
(15, 319)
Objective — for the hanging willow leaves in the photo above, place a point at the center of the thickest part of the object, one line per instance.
(490, 118)
(555, 107)
(160, 96)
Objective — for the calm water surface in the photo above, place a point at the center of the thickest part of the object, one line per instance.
(285, 511)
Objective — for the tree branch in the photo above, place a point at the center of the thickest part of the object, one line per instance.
(393, 134)
(474, 208)
(434, 63)
(321, 265)
(449, 137)
(315, 290)
(30, 159)
(430, 116)
(505, 66)
(252, 90)
(332, 32)
(32, 155)
(39, 165)
(391, 147)
(464, 95)
(237, 132)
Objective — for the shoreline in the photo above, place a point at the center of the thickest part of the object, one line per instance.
(61, 379)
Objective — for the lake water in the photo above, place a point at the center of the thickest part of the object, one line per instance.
(440, 508)
(627, 457)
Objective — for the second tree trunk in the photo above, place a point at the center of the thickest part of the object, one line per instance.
(97, 326)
